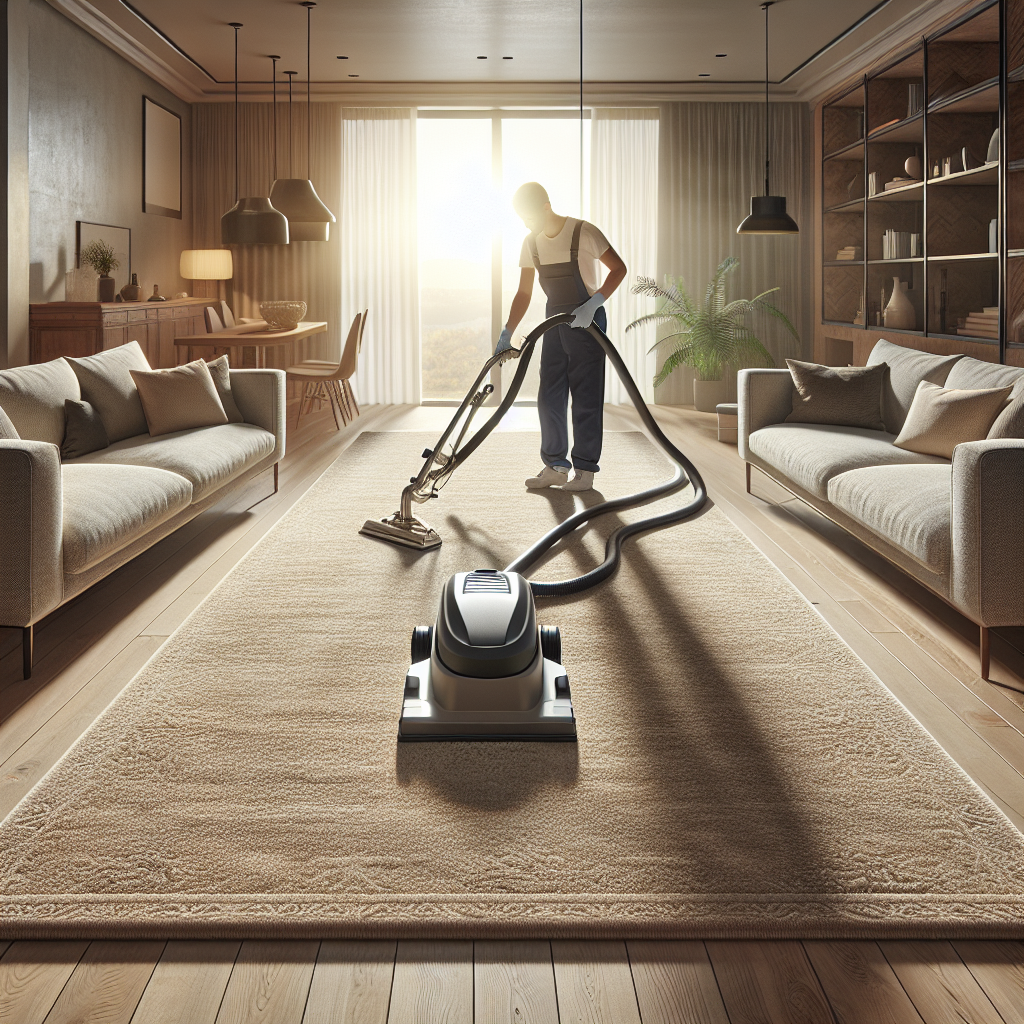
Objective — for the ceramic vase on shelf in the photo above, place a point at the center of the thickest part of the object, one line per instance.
(899, 313)
(132, 292)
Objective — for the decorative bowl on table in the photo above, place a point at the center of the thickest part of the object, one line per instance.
(284, 314)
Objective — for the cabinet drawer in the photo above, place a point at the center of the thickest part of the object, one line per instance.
(111, 318)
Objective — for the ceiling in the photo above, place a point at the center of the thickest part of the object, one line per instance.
(441, 41)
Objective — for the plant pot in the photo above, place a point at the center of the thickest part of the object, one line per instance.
(106, 288)
(707, 394)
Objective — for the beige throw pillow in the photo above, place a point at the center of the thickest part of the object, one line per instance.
(180, 398)
(846, 396)
(106, 380)
(941, 418)
(220, 370)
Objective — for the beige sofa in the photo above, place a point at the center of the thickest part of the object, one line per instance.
(67, 525)
(956, 526)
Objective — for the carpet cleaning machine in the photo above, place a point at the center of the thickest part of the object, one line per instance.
(487, 670)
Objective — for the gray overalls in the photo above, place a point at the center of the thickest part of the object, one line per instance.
(571, 362)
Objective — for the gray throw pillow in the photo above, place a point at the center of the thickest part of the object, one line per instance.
(843, 396)
(220, 371)
(907, 368)
(83, 432)
(107, 385)
(8, 432)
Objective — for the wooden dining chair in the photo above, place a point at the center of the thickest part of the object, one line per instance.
(325, 381)
(214, 323)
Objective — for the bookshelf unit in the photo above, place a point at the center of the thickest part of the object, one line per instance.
(922, 185)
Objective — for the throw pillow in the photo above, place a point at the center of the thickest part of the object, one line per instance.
(941, 418)
(7, 428)
(846, 396)
(907, 368)
(180, 398)
(107, 385)
(1009, 422)
(84, 431)
(220, 370)
(33, 399)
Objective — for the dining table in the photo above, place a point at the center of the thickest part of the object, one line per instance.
(257, 334)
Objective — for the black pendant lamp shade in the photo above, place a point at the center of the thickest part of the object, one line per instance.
(309, 220)
(253, 219)
(767, 213)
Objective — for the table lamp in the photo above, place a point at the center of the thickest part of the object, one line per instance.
(206, 265)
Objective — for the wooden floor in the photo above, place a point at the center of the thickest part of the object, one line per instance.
(922, 650)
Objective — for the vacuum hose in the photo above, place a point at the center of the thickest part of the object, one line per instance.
(685, 472)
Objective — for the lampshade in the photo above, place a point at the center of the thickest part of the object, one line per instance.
(768, 217)
(254, 221)
(308, 219)
(206, 265)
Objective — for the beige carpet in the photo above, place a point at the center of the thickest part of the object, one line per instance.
(739, 773)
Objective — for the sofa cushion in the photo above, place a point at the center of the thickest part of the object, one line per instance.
(208, 457)
(942, 418)
(33, 398)
(810, 454)
(975, 373)
(848, 396)
(220, 370)
(909, 506)
(8, 431)
(181, 398)
(107, 384)
(107, 507)
(907, 368)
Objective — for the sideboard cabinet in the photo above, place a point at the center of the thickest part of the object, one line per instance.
(85, 328)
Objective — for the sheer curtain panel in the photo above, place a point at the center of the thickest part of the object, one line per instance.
(379, 253)
(624, 205)
(711, 161)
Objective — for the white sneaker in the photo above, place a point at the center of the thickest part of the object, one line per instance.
(582, 481)
(549, 476)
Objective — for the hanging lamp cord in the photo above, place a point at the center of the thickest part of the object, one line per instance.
(236, 26)
(309, 11)
(274, 59)
(581, 108)
(767, 129)
(291, 145)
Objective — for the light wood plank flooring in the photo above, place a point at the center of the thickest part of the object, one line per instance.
(921, 649)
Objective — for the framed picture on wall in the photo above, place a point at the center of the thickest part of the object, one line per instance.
(161, 160)
(119, 239)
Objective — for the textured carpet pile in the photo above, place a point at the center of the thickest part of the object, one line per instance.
(739, 773)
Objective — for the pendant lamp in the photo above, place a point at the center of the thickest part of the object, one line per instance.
(252, 220)
(308, 219)
(767, 213)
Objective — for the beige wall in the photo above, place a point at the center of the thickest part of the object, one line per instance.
(85, 156)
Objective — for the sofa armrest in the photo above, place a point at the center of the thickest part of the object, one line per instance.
(31, 565)
(764, 397)
(261, 397)
(987, 531)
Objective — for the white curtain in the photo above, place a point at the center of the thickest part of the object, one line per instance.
(379, 256)
(624, 205)
(711, 163)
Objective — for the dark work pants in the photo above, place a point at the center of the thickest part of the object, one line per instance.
(572, 363)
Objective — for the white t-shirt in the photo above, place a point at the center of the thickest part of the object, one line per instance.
(593, 245)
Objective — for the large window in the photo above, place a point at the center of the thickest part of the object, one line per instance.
(469, 167)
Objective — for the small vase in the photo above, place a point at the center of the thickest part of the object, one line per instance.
(156, 296)
(132, 292)
(899, 313)
(106, 288)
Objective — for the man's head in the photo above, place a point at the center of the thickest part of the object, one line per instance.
(531, 203)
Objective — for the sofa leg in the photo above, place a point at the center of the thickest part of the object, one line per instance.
(28, 635)
(748, 467)
(984, 652)
(276, 464)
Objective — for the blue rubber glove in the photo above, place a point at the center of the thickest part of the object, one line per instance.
(583, 316)
(504, 341)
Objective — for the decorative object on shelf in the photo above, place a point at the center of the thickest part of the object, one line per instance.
(852, 184)
(912, 165)
(952, 164)
(943, 297)
(983, 324)
(915, 98)
(253, 219)
(284, 314)
(102, 258)
(80, 285)
(132, 292)
(949, 86)
(1016, 331)
(967, 161)
(161, 160)
(899, 314)
(849, 252)
(119, 240)
(993, 235)
(156, 296)
(767, 213)
(181, 295)
(900, 182)
(206, 265)
(872, 183)
(709, 336)
(309, 220)
(992, 153)
(860, 318)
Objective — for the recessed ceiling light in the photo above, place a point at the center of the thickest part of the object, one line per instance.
(353, 76)
(721, 55)
(704, 74)
(481, 58)
(342, 58)
(506, 58)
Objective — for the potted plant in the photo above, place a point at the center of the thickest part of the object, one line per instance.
(710, 336)
(102, 258)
